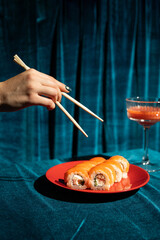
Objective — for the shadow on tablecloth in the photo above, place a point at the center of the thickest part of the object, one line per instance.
(50, 190)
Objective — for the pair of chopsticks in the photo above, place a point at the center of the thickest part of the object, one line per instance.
(22, 64)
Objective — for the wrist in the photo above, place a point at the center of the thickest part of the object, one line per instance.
(2, 96)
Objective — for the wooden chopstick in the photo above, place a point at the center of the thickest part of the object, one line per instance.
(81, 105)
(19, 61)
(71, 118)
(22, 64)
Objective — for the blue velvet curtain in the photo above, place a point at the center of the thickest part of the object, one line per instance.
(105, 50)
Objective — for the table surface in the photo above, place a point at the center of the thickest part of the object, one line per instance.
(33, 208)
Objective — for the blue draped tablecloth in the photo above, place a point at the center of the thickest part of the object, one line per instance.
(33, 208)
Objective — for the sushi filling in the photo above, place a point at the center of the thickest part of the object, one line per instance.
(78, 180)
(118, 176)
(122, 165)
(99, 180)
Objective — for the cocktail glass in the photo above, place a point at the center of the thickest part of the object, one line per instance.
(145, 111)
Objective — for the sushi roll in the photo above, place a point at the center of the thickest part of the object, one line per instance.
(124, 163)
(77, 176)
(101, 177)
(118, 169)
(97, 160)
(98, 173)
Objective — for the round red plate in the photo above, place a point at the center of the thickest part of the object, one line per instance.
(137, 178)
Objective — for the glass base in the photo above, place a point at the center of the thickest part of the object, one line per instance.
(150, 166)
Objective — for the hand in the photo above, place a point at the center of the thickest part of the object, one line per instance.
(30, 88)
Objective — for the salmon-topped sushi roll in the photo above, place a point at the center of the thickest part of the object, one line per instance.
(101, 177)
(97, 160)
(124, 163)
(118, 169)
(77, 176)
(86, 164)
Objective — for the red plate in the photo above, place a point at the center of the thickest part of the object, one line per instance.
(137, 178)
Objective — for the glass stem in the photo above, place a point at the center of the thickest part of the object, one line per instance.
(145, 159)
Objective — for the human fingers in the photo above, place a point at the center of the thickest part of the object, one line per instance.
(49, 80)
(59, 95)
(38, 82)
(43, 101)
(63, 87)
(53, 93)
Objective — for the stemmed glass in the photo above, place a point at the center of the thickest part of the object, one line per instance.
(145, 111)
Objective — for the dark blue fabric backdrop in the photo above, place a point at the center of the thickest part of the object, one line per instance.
(104, 50)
